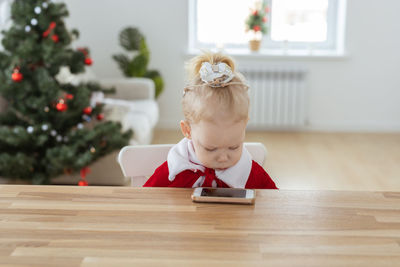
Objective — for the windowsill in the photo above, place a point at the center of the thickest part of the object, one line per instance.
(277, 54)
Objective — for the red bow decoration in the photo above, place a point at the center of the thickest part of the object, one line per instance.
(210, 177)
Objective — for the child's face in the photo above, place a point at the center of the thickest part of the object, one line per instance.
(218, 144)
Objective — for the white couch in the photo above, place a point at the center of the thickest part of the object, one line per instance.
(134, 106)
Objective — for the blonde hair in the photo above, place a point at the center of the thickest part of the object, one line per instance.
(201, 101)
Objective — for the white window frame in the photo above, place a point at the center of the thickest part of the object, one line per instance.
(333, 46)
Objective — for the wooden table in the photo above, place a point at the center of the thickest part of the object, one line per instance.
(114, 226)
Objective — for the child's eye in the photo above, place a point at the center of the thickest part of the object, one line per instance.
(210, 149)
(234, 147)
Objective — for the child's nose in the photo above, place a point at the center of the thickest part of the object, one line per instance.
(222, 157)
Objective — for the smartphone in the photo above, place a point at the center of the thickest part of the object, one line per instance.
(224, 195)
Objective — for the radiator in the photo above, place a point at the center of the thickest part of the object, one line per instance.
(277, 96)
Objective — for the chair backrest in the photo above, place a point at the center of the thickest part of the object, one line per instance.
(141, 160)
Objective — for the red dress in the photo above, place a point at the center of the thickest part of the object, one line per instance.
(258, 178)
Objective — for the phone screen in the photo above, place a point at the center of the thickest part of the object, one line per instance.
(223, 192)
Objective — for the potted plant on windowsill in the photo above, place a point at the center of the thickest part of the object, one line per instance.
(256, 25)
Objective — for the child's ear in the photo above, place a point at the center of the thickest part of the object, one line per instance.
(185, 128)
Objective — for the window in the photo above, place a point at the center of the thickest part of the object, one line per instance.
(293, 25)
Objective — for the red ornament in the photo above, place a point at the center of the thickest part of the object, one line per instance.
(256, 28)
(84, 172)
(255, 13)
(69, 96)
(264, 19)
(55, 38)
(51, 27)
(266, 10)
(87, 110)
(61, 106)
(17, 76)
(100, 116)
(88, 61)
(83, 182)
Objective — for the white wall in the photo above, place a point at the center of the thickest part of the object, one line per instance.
(359, 92)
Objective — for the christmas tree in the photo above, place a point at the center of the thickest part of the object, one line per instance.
(49, 127)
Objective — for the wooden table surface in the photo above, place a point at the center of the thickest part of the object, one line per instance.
(114, 226)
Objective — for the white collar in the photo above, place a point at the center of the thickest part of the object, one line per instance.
(182, 157)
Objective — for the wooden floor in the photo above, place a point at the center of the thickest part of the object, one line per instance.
(326, 161)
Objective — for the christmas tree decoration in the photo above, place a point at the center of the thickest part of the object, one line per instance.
(37, 10)
(92, 150)
(17, 76)
(88, 61)
(84, 171)
(85, 52)
(55, 38)
(49, 29)
(34, 22)
(61, 105)
(86, 118)
(42, 132)
(100, 116)
(83, 182)
(88, 110)
(69, 96)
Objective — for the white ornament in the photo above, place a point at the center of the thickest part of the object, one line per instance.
(27, 28)
(37, 10)
(34, 21)
(80, 126)
(66, 139)
(45, 5)
(97, 97)
(29, 129)
(53, 133)
(45, 127)
(59, 138)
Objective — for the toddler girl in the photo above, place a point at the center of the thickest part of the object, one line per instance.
(216, 106)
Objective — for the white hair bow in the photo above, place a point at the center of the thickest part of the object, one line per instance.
(216, 75)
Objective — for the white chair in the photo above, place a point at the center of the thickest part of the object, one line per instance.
(139, 162)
